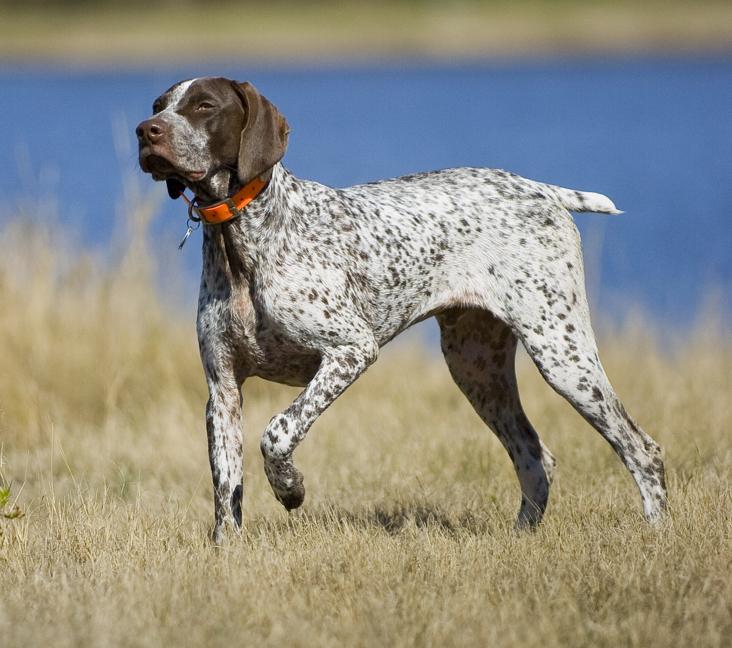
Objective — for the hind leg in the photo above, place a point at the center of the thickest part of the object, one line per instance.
(480, 352)
(560, 340)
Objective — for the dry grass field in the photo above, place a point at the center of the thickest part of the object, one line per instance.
(406, 536)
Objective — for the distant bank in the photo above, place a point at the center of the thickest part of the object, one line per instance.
(103, 34)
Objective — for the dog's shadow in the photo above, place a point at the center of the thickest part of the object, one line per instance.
(393, 520)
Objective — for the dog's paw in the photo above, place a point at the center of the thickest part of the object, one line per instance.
(293, 498)
(286, 482)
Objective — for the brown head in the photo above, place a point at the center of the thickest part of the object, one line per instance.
(212, 135)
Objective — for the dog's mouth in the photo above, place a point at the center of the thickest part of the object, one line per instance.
(161, 168)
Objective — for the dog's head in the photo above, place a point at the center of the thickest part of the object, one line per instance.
(212, 135)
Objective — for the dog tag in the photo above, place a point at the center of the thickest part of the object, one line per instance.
(189, 231)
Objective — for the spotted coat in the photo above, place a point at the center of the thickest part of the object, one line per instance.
(310, 282)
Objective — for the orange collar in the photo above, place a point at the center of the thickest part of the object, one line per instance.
(229, 209)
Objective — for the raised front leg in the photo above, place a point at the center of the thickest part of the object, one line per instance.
(223, 425)
(340, 367)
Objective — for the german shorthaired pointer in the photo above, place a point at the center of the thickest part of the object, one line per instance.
(302, 284)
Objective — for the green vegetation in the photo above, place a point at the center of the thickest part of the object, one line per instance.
(406, 536)
(7, 510)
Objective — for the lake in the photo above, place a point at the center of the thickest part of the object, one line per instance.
(654, 134)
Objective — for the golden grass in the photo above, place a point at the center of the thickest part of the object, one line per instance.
(148, 34)
(406, 535)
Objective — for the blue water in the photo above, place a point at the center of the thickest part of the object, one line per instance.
(655, 135)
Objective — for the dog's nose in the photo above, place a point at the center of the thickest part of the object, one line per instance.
(150, 130)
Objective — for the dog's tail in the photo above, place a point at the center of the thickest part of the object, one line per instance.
(583, 201)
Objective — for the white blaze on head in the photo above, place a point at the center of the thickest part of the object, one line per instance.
(177, 95)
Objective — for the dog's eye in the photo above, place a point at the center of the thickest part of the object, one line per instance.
(205, 105)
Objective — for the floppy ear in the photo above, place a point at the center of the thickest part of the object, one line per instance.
(175, 188)
(264, 136)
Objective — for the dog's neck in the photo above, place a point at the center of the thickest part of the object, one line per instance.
(222, 185)
(237, 245)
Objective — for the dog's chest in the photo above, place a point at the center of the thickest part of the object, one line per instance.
(236, 333)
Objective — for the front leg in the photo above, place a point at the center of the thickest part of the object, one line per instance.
(339, 368)
(223, 427)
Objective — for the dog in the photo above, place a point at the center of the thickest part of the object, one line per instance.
(302, 284)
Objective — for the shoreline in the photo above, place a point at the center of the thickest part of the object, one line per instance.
(9, 64)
